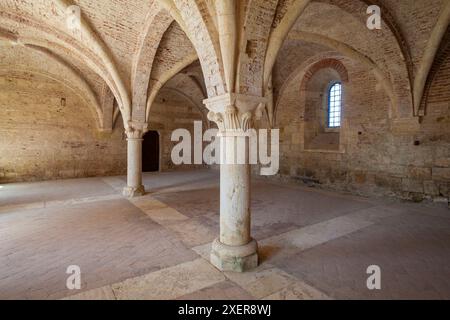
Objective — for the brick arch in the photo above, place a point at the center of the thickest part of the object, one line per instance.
(157, 23)
(255, 33)
(196, 21)
(297, 76)
(89, 37)
(324, 64)
(356, 9)
(430, 56)
(98, 58)
(442, 56)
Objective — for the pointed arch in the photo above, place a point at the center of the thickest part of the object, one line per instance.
(156, 24)
(97, 58)
(425, 70)
(352, 53)
(61, 80)
(195, 20)
(157, 85)
(88, 35)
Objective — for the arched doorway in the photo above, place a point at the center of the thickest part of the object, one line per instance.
(150, 152)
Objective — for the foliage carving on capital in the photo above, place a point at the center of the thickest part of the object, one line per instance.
(233, 120)
(135, 132)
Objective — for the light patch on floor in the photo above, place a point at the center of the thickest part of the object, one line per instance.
(158, 211)
(169, 283)
(195, 232)
(158, 246)
(311, 236)
(115, 182)
(268, 282)
(298, 291)
(103, 293)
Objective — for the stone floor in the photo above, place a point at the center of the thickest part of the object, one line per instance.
(314, 244)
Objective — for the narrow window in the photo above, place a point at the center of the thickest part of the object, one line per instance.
(334, 105)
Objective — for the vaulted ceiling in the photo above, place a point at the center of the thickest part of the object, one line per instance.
(134, 48)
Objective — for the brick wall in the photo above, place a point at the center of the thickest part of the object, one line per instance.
(380, 156)
(43, 139)
(168, 113)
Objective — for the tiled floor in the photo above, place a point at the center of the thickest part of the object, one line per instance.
(314, 244)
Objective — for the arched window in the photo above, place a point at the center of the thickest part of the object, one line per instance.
(334, 105)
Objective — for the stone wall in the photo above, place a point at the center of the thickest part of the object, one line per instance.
(378, 155)
(47, 132)
(169, 112)
(44, 137)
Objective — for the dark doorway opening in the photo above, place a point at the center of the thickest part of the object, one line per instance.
(150, 152)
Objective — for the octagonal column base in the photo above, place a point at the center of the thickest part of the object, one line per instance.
(234, 258)
(131, 192)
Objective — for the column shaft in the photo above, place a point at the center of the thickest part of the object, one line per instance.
(134, 163)
(235, 195)
(134, 173)
(235, 250)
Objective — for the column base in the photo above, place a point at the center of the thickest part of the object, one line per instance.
(235, 259)
(131, 192)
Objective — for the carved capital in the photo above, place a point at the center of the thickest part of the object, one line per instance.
(136, 130)
(235, 112)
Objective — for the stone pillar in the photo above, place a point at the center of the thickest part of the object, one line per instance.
(134, 186)
(235, 249)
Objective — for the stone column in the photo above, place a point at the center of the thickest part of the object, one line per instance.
(235, 249)
(134, 186)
